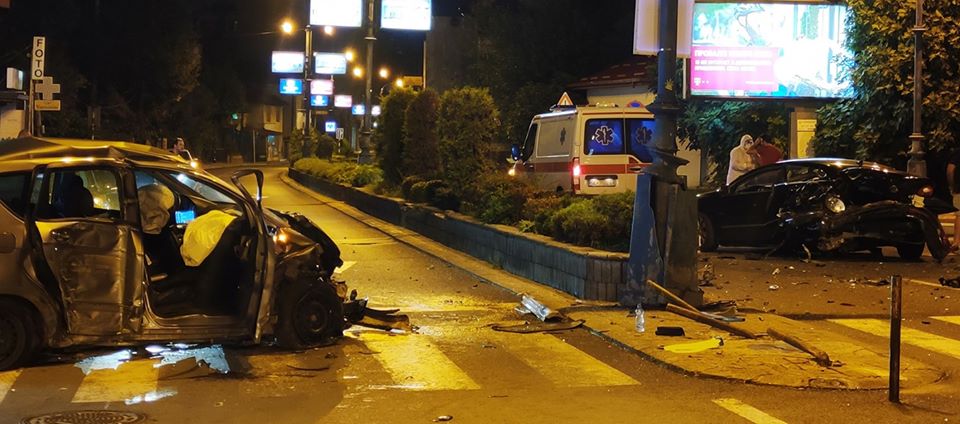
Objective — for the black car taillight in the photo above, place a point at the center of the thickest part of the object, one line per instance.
(925, 191)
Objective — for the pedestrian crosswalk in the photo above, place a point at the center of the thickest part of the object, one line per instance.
(910, 336)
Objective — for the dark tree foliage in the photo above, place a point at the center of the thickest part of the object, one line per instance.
(528, 50)
(421, 142)
(468, 127)
(389, 137)
(875, 124)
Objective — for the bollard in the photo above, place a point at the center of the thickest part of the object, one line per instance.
(896, 289)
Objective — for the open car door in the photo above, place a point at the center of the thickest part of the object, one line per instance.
(83, 244)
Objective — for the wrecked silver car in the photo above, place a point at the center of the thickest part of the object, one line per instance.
(108, 244)
(830, 205)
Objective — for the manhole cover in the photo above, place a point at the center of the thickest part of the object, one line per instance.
(86, 417)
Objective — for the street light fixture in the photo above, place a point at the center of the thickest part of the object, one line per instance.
(357, 72)
(350, 55)
(399, 82)
(328, 30)
(384, 73)
(287, 27)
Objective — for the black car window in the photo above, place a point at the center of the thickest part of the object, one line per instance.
(13, 191)
(798, 174)
(761, 179)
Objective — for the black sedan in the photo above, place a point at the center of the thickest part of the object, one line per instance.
(830, 205)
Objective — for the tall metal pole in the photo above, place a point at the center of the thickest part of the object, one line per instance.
(916, 165)
(896, 309)
(366, 132)
(307, 74)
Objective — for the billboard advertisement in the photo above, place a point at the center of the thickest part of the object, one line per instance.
(359, 110)
(291, 86)
(330, 63)
(319, 100)
(343, 100)
(287, 62)
(321, 86)
(405, 14)
(340, 13)
(769, 50)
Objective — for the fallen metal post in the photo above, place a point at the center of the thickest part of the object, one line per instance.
(896, 286)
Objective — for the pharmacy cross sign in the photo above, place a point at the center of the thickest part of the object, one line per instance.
(47, 88)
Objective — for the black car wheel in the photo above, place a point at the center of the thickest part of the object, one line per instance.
(910, 252)
(310, 315)
(708, 239)
(18, 336)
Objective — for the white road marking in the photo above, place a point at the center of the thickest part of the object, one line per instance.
(414, 363)
(747, 412)
(6, 382)
(346, 265)
(929, 341)
(564, 365)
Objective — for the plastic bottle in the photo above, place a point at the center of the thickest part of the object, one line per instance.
(641, 322)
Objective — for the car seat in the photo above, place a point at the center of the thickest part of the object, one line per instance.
(76, 200)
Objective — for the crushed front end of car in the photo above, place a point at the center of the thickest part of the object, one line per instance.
(308, 256)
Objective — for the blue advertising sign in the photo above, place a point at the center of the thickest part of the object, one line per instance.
(291, 86)
(330, 126)
(319, 100)
(359, 110)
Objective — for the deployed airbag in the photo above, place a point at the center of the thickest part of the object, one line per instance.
(202, 235)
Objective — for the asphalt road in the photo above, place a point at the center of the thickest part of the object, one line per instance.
(453, 366)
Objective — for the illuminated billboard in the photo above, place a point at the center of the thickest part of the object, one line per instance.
(319, 100)
(405, 14)
(343, 100)
(291, 86)
(769, 50)
(330, 63)
(321, 86)
(359, 110)
(341, 13)
(287, 62)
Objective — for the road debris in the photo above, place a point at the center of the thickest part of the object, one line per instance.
(538, 327)
(443, 418)
(950, 282)
(693, 347)
(819, 356)
(775, 271)
(773, 287)
(541, 311)
(670, 331)
(711, 321)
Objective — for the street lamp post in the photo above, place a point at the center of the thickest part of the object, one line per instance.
(307, 74)
(916, 165)
(367, 131)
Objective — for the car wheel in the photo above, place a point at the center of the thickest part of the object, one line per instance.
(708, 239)
(910, 252)
(18, 336)
(310, 315)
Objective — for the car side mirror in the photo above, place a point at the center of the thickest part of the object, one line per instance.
(515, 152)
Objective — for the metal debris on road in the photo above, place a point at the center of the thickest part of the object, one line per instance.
(773, 287)
(775, 271)
(670, 331)
(538, 327)
(443, 418)
(950, 282)
(541, 311)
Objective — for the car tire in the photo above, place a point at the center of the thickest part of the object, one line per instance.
(19, 337)
(910, 252)
(708, 238)
(310, 315)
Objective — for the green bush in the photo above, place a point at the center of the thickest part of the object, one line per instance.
(407, 185)
(601, 221)
(446, 198)
(365, 175)
(499, 199)
(421, 143)
(540, 207)
(344, 173)
(389, 137)
(468, 128)
(325, 147)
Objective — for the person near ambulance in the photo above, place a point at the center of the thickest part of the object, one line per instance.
(743, 158)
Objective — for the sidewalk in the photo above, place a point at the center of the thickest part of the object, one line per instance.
(698, 352)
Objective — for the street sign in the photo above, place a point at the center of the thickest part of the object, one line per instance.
(38, 54)
(340, 134)
(47, 105)
(47, 88)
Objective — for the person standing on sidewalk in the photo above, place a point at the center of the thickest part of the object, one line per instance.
(952, 176)
(743, 158)
(768, 153)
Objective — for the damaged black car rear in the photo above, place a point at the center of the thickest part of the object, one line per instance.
(111, 243)
(828, 205)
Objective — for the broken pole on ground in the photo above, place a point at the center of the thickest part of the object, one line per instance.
(819, 356)
(704, 319)
(896, 306)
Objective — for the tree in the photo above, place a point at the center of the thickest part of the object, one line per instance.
(468, 127)
(875, 123)
(389, 138)
(421, 142)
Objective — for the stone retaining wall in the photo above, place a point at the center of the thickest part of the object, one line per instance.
(586, 273)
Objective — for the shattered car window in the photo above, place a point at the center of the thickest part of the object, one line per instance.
(203, 189)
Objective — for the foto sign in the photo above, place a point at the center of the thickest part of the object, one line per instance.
(341, 13)
(405, 14)
(321, 86)
(343, 100)
(319, 100)
(330, 126)
(330, 63)
(287, 62)
(291, 86)
(37, 56)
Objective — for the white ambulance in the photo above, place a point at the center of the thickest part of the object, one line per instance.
(586, 150)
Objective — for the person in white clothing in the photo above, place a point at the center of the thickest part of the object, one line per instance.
(743, 158)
